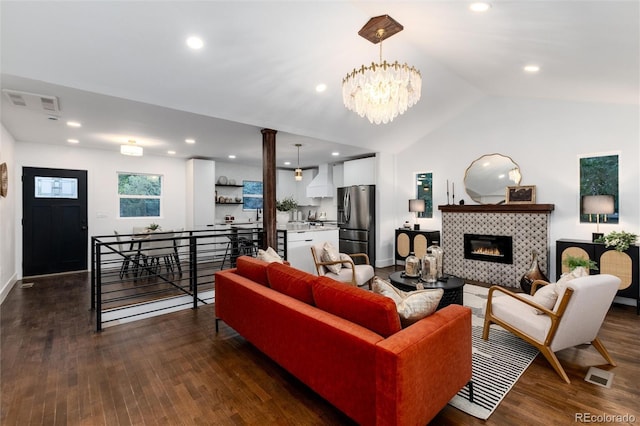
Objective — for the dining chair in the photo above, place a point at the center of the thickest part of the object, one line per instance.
(158, 246)
(125, 252)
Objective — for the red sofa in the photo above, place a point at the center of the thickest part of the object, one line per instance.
(346, 343)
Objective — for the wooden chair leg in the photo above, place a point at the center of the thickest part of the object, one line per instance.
(487, 327)
(603, 351)
(553, 360)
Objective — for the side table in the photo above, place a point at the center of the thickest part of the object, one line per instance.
(452, 286)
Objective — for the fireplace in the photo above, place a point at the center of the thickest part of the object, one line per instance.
(488, 248)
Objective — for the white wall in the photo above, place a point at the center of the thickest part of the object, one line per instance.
(545, 138)
(8, 274)
(102, 167)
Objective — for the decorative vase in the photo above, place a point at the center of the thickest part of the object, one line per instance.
(429, 268)
(412, 266)
(438, 253)
(282, 217)
(534, 273)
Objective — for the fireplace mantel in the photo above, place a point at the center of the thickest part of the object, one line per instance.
(497, 208)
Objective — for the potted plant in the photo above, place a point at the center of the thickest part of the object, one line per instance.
(573, 262)
(284, 207)
(619, 240)
(153, 227)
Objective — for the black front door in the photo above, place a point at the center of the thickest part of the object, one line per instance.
(54, 221)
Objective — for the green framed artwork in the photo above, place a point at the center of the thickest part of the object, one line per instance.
(599, 176)
(424, 191)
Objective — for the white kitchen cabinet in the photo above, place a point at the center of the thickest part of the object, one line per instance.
(299, 247)
(360, 172)
(201, 180)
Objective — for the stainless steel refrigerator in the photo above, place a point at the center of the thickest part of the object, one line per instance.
(357, 220)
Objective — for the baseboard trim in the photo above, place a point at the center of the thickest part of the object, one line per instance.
(6, 287)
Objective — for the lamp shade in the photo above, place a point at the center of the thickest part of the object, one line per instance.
(416, 205)
(598, 204)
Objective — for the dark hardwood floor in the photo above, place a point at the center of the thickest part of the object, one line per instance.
(174, 369)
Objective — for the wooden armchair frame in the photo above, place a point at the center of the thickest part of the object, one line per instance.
(320, 264)
(556, 318)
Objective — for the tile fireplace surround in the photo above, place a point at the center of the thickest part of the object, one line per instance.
(527, 224)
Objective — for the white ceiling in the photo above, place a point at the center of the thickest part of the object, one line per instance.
(122, 69)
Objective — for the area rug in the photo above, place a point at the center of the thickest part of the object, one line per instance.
(498, 362)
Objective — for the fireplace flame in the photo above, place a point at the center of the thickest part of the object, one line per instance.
(488, 251)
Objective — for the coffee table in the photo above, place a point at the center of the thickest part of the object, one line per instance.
(451, 285)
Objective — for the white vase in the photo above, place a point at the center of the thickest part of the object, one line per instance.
(282, 217)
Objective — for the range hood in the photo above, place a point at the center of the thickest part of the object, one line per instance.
(322, 184)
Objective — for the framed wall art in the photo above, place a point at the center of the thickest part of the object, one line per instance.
(521, 194)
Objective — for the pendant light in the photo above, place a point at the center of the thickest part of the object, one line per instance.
(298, 171)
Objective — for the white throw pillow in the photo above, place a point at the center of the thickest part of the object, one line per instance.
(344, 256)
(269, 255)
(561, 285)
(545, 296)
(412, 306)
(331, 254)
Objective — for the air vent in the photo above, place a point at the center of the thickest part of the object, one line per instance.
(33, 102)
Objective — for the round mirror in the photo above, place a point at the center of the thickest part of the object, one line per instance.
(487, 178)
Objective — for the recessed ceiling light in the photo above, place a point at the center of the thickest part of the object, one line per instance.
(321, 88)
(335, 153)
(73, 141)
(195, 42)
(190, 140)
(532, 68)
(479, 7)
(287, 163)
(73, 124)
(171, 152)
(232, 156)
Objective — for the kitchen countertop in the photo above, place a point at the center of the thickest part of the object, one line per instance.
(290, 226)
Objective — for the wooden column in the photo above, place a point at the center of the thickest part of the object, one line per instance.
(269, 187)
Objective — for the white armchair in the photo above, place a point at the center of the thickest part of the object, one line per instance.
(347, 270)
(574, 319)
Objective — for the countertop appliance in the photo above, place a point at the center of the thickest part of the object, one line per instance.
(357, 220)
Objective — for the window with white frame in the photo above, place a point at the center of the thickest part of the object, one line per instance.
(140, 195)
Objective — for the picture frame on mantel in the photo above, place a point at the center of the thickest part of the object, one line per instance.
(521, 194)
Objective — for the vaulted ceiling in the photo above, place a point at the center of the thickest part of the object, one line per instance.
(122, 68)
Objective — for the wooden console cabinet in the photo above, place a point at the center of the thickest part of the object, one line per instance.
(624, 265)
(410, 240)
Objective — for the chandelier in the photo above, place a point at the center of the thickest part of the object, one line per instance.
(131, 149)
(381, 91)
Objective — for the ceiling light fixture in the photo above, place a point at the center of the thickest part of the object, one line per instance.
(298, 172)
(131, 149)
(191, 141)
(531, 68)
(321, 87)
(479, 7)
(171, 152)
(232, 156)
(381, 91)
(73, 141)
(195, 42)
(335, 153)
(73, 124)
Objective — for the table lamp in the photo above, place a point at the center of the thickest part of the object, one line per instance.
(597, 204)
(417, 206)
